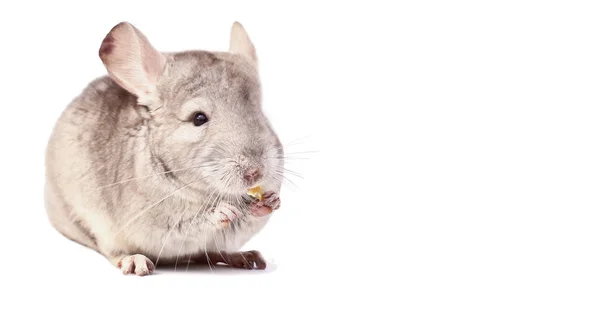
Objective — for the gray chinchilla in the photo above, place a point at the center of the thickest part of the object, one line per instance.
(154, 161)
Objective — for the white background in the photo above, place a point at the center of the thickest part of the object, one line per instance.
(455, 166)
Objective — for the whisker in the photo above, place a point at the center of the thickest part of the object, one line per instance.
(215, 242)
(205, 209)
(217, 199)
(303, 152)
(227, 185)
(190, 226)
(293, 173)
(281, 176)
(208, 261)
(232, 241)
(289, 158)
(296, 141)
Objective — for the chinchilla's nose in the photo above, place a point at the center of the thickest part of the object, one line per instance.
(252, 175)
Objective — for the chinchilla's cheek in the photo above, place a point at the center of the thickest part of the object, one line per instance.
(187, 134)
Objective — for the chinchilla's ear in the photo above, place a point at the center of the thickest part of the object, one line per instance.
(132, 62)
(239, 42)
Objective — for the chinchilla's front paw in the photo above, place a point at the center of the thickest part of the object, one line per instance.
(270, 202)
(224, 214)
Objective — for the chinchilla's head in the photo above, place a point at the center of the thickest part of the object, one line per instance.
(203, 110)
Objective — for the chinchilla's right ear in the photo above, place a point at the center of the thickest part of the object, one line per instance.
(132, 62)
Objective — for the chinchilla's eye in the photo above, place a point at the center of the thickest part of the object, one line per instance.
(200, 118)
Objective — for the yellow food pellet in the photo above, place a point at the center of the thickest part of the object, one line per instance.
(256, 192)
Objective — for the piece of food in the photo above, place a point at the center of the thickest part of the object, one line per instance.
(256, 192)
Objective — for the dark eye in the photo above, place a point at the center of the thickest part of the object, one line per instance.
(200, 118)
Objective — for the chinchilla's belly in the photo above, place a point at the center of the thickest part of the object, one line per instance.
(172, 239)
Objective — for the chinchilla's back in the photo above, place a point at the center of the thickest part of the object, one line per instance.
(83, 151)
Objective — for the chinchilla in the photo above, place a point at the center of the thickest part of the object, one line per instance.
(153, 161)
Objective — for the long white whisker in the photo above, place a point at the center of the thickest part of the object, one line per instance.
(289, 158)
(189, 227)
(208, 261)
(227, 182)
(304, 152)
(213, 204)
(292, 173)
(280, 176)
(205, 209)
(227, 186)
(296, 141)
(225, 237)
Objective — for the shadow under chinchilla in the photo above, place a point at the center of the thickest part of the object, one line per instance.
(203, 268)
